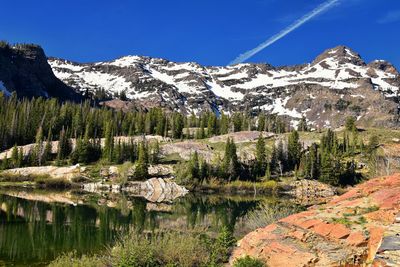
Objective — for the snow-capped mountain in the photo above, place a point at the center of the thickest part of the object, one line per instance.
(336, 84)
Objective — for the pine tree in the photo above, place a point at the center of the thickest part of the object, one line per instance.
(141, 169)
(177, 126)
(39, 146)
(224, 124)
(294, 150)
(75, 156)
(64, 146)
(4, 163)
(278, 158)
(47, 148)
(231, 164)
(203, 171)
(155, 152)
(212, 125)
(117, 153)
(195, 167)
(314, 162)
(261, 156)
(261, 122)
(237, 122)
(302, 127)
(351, 124)
(268, 172)
(20, 157)
(109, 142)
(14, 157)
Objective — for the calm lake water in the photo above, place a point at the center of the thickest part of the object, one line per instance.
(34, 231)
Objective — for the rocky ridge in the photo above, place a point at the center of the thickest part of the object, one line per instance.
(338, 83)
(24, 69)
(358, 228)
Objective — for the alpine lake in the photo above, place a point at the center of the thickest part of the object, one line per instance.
(37, 226)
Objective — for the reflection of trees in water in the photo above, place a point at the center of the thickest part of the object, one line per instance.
(222, 212)
(33, 231)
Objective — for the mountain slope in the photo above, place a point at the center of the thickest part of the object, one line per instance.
(336, 84)
(24, 69)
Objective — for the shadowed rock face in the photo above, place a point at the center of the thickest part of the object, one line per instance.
(350, 230)
(25, 70)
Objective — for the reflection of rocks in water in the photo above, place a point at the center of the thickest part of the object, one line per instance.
(160, 207)
(154, 189)
(157, 190)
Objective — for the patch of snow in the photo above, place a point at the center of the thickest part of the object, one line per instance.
(357, 95)
(126, 61)
(279, 108)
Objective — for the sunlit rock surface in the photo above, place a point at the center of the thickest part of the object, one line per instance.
(356, 228)
(153, 190)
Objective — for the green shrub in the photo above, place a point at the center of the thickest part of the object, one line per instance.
(267, 213)
(248, 262)
(165, 249)
(59, 183)
(5, 177)
(222, 247)
(72, 260)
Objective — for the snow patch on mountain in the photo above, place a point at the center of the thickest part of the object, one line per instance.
(190, 87)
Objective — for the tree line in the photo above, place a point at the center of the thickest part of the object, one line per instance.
(332, 160)
(20, 120)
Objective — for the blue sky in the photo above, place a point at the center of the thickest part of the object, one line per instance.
(211, 32)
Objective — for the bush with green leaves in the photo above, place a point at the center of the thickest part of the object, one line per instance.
(248, 262)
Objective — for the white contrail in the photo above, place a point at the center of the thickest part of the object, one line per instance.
(321, 8)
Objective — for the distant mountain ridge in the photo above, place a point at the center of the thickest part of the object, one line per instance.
(338, 83)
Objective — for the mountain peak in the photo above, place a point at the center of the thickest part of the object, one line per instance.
(384, 66)
(341, 54)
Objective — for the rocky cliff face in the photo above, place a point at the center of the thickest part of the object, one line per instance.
(357, 228)
(25, 70)
(337, 84)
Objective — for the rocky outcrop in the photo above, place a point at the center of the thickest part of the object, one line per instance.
(354, 229)
(25, 70)
(186, 149)
(153, 190)
(67, 173)
(309, 192)
(241, 137)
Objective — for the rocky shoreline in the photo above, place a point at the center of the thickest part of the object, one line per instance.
(358, 228)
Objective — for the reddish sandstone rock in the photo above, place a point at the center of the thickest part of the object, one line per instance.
(384, 216)
(323, 228)
(339, 232)
(309, 223)
(347, 231)
(356, 239)
(376, 235)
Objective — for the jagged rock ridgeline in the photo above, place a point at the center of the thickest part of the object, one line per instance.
(25, 70)
(337, 84)
(354, 229)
